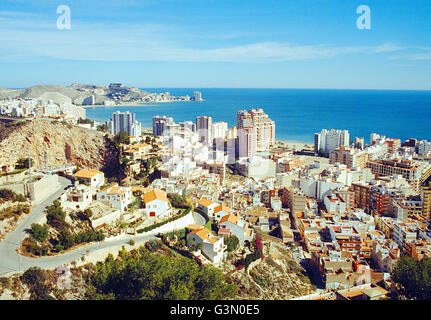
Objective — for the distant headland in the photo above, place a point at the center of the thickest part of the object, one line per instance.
(115, 94)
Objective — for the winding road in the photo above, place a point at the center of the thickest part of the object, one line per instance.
(11, 262)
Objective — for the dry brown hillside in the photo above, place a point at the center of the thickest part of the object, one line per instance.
(63, 143)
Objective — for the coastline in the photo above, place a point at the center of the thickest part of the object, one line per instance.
(136, 104)
(132, 104)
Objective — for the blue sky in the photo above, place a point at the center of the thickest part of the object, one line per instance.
(217, 43)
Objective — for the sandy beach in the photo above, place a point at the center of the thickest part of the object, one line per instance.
(297, 145)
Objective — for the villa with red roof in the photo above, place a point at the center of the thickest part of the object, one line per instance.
(213, 247)
(208, 206)
(93, 178)
(157, 204)
(234, 225)
(220, 211)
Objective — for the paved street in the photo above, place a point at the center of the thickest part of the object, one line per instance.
(9, 258)
(11, 262)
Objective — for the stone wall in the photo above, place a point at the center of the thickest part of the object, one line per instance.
(14, 178)
(44, 188)
(175, 225)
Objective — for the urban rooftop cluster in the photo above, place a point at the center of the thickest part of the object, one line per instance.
(347, 209)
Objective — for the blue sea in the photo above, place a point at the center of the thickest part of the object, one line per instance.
(299, 113)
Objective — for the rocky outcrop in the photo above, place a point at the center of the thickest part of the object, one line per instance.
(275, 277)
(63, 144)
(76, 93)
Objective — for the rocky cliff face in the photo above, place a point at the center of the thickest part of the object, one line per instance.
(276, 277)
(63, 143)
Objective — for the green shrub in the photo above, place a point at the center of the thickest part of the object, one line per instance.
(140, 274)
(231, 242)
(14, 211)
(9, 195)
(39, 232)
(153, 245)
(55, 213)
(35, 278)
(414, 277)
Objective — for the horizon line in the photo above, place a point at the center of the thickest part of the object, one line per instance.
(215, 87)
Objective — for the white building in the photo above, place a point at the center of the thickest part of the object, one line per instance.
(159, 124)
(328, 140)
(213, 247)
(115, 196)
(237, 227)
(79, 197)
(208, 206)
(93, 178)
(334, 203)
(423, 147)
(219, 129)
(258, 131)
(197, 96)
(317, 189)
(204, 129)
(124, 122)
(256, 167)
(157, 204)
(405, 231)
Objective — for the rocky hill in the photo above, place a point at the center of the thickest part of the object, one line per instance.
(276, 277)
(63, 143)
(75, 93)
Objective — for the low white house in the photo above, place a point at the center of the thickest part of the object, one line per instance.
(213, 247)
(78, 197)
(115, 196)
(208, 206)
(220, 211)
(157, 204)
(236, 226)
(92, 178)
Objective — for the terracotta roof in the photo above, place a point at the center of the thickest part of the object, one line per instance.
(223, 231)
(138, 146)
(229, 217)
(87, 173)
(223, 208)
(201, 233)
(205, 202)
(116, 190)
(253, 219)
(155, 194)
(193, 227)
(131, 151)
(213, 240)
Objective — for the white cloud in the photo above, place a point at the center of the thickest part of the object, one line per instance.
(388, 47)
(420, 56)
(151, 42)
